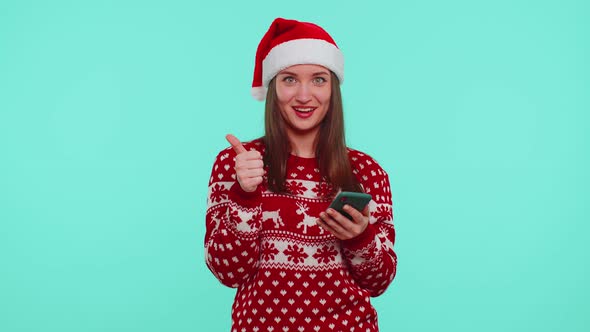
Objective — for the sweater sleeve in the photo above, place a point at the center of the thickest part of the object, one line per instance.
(370, 256)
(233, 222)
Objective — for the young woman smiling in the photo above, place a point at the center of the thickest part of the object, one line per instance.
(297, 264)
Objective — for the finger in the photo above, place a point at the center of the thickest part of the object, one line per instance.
(343, 221)
(235, 143)
(322, 222)
(252, 173)
(325, 227)
(331, 220)
(249, 165)
(366, 212)
(253, 164)
(254, 155)
(337, 233)
(250, 156)
(354, 213)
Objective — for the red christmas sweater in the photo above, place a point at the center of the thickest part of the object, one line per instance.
(290, 274)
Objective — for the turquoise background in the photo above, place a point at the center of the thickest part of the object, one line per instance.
(112, 112)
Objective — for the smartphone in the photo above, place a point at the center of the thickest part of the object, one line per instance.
(354, 199)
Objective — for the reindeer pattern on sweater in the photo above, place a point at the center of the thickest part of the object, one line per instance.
(290, 274)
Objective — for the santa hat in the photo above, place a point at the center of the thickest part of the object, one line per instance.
(288, 43)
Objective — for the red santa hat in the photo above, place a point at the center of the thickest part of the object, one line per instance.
(288, 43)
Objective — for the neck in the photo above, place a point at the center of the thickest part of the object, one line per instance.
(303, 143)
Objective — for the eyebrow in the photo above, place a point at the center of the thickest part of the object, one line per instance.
(314, 74)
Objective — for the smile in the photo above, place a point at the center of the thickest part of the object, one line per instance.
(304, 112)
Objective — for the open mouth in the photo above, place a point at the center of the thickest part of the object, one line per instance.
(304, 112)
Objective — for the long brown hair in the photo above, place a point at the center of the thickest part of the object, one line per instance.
(330, 152)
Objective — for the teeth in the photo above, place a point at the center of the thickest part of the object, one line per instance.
(301, 109)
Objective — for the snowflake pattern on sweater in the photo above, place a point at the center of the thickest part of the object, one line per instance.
(290, 274)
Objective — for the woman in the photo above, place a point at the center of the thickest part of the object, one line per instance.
(297, 265)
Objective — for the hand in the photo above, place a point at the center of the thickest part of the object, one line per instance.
(340, 226)
(249, 166)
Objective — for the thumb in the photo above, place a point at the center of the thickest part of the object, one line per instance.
(235, 143)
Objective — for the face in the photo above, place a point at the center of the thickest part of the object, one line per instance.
(303, 93)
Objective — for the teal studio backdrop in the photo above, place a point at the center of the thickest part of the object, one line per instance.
(112, 112)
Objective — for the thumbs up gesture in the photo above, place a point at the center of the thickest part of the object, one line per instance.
(249, 165)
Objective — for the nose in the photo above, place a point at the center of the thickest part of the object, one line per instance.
(303, 94)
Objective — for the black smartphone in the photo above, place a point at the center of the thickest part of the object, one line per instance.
(354, 199)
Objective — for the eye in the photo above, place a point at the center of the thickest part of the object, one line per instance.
(289, 79)
(319, 80)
